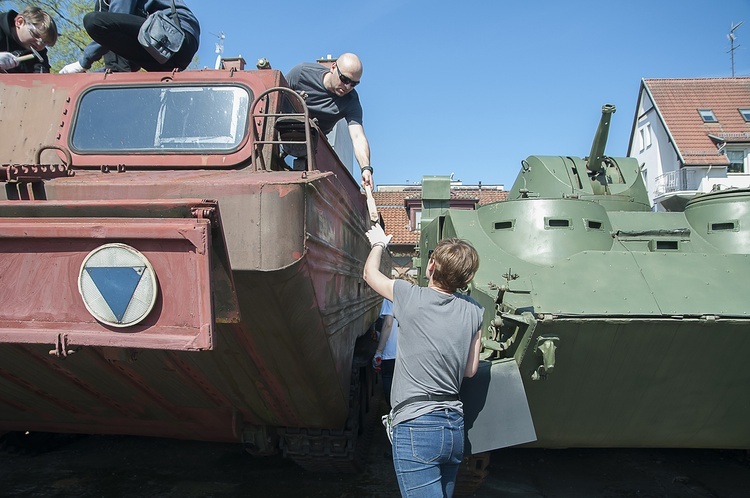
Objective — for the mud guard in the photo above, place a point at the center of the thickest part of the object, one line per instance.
(43, 258)
(496, 411)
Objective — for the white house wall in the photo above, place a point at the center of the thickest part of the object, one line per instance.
(656, 156)
(667, 177)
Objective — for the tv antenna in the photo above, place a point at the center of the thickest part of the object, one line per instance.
(731, 38)
(219, 48)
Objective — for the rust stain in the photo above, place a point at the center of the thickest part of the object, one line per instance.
(60, 368)
(274, 394)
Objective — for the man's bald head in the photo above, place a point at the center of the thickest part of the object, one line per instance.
(350, 65)
(344, 75)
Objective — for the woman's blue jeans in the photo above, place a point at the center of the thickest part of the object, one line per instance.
(427, 452)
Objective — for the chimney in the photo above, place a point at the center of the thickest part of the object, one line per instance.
(236, 63)
(327, 61)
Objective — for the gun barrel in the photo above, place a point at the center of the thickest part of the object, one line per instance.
(594, 161)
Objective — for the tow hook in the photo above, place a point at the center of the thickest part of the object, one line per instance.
(62, 348)
(545, 347)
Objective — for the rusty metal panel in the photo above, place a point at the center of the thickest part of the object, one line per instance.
(286, 363)
(35, 105)
(225, 305)
(40, 266)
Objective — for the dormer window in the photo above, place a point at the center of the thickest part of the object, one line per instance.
(737, 159)
(708, 116)
(745, 114)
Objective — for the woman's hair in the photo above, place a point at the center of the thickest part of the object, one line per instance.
(456, 262)
(43, 22)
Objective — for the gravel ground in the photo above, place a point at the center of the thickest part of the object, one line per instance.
(121, 466)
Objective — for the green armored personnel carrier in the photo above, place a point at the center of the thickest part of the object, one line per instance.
(606, 324)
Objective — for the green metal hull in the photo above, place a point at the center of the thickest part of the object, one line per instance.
(629, 328)
(641, 383)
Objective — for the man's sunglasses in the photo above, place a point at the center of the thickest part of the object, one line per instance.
(346, 80)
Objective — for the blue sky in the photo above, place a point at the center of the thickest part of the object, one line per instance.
(474, 87)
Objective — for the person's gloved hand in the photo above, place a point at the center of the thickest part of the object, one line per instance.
(377, 361)
(7, 61)
(73, 67)
(377, 236)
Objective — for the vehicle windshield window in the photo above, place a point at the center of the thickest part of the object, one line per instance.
(148, 119)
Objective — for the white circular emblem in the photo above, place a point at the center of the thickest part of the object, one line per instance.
(117, 284)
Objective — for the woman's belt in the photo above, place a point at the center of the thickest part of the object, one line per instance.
(426, 397)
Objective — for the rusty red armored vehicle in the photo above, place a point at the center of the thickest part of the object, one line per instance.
(164, 273)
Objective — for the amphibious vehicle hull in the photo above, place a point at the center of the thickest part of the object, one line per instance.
(260, 318)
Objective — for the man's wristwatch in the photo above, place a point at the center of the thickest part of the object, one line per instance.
(367, 168)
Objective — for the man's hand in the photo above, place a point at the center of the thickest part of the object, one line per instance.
(377, 361)
(367, 179)
(73, 67)
(377, 236)
(8, 61)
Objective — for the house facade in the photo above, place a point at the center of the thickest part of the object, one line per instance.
(691, 136)
(401, 209)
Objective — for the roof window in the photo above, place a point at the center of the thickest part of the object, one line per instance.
(708, 116)
(745, 114)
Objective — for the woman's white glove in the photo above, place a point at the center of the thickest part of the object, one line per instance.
(7, 61)
(377, 236)
(73, 67)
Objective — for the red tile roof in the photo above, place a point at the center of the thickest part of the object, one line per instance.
(397, 223)
(391, 198)
(678, 101)
(391, 206)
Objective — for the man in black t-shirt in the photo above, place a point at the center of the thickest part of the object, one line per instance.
(330, 96)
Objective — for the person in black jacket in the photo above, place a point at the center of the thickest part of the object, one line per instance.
(112, 61)
(33, 29)
(116, 30)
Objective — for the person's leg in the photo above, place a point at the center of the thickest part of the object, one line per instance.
(112, 61)
(455, 434)
(118, 64)
(386, 372)
(119, 33)
(420, 446)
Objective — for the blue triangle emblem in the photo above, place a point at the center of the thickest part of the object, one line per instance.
(116, 285)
